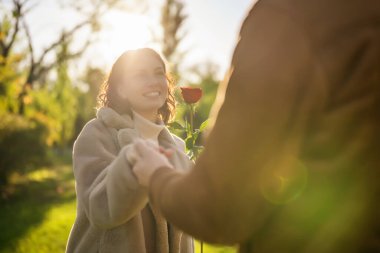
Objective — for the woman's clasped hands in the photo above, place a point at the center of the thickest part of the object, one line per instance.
(146, 157)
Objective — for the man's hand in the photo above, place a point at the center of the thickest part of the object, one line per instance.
(149, 159)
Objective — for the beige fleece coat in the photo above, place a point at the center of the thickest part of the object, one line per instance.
(113, 213)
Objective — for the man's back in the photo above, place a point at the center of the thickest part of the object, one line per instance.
(337, 134)
(292, 162)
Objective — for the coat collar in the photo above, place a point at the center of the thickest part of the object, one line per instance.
(114, 120)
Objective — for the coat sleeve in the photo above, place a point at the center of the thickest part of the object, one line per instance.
(106, 187)
(268, 102)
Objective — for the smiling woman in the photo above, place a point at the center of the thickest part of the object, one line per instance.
(114, 213)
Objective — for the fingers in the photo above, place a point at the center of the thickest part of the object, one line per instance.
(141, 147)
(167, 152)
(131, 154)
(151, 143)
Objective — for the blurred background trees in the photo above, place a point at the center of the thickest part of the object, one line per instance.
(40, 108)
(173, 19)
(43, 106)
(48, 92)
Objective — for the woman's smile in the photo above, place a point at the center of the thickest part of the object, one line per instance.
(152, 94)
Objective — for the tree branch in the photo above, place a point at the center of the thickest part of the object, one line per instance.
(40, 69)
(65, 35)
(6, 47)
(30, 42)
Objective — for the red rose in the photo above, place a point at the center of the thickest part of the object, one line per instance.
(191, 95)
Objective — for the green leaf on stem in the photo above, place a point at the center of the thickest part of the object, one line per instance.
(195, 135)
(203, 125)
(176, 125)
(188, 128)
(189, 142)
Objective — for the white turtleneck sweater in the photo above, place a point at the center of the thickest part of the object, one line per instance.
(146, 128)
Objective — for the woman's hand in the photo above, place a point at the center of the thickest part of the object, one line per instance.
(148, 159)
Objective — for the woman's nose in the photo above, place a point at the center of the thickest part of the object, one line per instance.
(153, 80)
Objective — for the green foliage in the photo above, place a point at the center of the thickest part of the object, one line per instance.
(5, 26)
(48, 119)
(44, 108)
(65, 97)
(22, 145)
(55, 107)
(10, 82)
(86, 100)
(203, 126)
(209, 85)
(175, 126)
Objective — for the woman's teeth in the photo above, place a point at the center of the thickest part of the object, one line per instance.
(152, 94)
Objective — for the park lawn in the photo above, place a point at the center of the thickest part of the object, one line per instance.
(39, 211)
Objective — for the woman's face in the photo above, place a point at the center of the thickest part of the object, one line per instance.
(144, 83)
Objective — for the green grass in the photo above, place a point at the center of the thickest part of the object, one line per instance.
(39, 210)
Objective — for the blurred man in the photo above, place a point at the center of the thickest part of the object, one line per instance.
(293, 160)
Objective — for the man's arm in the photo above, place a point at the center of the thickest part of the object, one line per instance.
(269, 99)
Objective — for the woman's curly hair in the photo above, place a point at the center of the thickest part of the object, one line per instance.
(109, 97)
